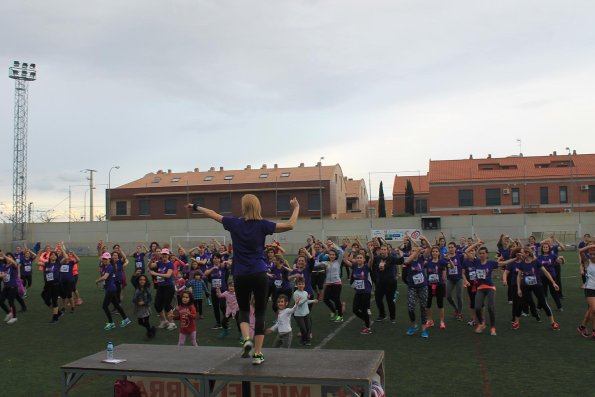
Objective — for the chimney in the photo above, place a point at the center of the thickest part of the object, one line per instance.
(169, 171)
(319, 164)
(489, 156)
(574, 152)
(212, 169)
(264, 167)
(470, 157)
(160, 171)
(248, 167)
(554, 154)
(301, 165)
(196, 170)
(220, 168)
(275, 166)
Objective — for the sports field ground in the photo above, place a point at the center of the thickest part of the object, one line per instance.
(532, 361)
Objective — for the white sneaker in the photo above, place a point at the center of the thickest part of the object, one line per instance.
(7, 317)
(171, 326)
(12, 321)
(163, 324)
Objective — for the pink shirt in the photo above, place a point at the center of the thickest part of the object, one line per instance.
(230, 301)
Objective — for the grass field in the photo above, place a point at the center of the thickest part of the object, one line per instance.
(533, 361)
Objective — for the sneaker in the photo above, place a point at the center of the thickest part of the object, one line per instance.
(493, 331)
(515, 325)
(538, 319)
(523, 314)
(442, 325)
(510, 302)
(7, 317)
(257, 359)
(55, 321)
(171, 326)
(125, 322)
(479, 329)
(471, 323)
(430, 323)
(555, 326)
(380, 319)
(12, 321)
(411, 330)
(338, 319)
(332, 316)
(366, 331)
(583, 331)
(560, 309)
(247, 348)
(163, 324)
(107, 327)
(393, 320)
(307, 343)
(224, 332)
(424, 333)
(216, 326)
(79, 302)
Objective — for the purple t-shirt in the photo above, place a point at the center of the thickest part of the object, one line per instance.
(454, 272)
(218, 278)
(483, 272)
(26, 267)
(139, 261)
(361, 280)
(248, 239)
(66, 275)
(415, 274)
(51, 272)
(435, 270)
(549, 262)
(110, 281)
(163, 267)
(280, 280)
(530, 274)
(10, 275)
(306, 275)
(513, 269)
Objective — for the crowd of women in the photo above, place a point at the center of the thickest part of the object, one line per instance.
(186, 281)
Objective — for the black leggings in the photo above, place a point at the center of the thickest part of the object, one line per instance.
(541, 302)
(198, 306)
(471, 291)
(332, 298)
(558, 278)
(555, 294)
(256, 284)
(361, 305)
(144, 322)
(437, 290)
(385, 290)
(27, 280)
(50, 294)
(163, 298)
(111, 297)
(317, 281)
(219, 306)
(10, 294)
(225, 322)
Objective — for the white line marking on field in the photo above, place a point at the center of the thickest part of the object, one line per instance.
(334, 333)
(570, 277)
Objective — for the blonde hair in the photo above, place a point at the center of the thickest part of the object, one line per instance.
(251, 208)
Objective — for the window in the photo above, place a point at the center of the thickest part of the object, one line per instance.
(225, 204)
(421, 206)
(314, 201)
(262, 176)
(466, 198)
(591, 193)
(175, 180)
(228, 177)
(170, 206)
(283, 202)
(492, 197)
(144, 206)
(156, 180)
(516, 196)
(285, 174)
(208, 178)
(121, 208)
(198, 201)
(563, 194)
(543, 195)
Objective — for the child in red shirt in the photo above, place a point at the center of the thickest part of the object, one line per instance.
(186, 313)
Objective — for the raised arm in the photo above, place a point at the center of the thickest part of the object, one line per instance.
(207, 212)
(290, 224)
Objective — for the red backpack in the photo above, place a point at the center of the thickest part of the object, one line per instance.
(126, 388)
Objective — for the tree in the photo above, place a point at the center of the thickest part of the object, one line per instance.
(409, 199)
(381, 203)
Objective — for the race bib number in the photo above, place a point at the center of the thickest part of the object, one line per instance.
(418, 278)
(139, 265)
(28, 268)
(433, 278)
(64, 269)
(481, 274)
(49, 277)
(530, 280)
(358, 284)
(6, 277)
(216, 283)
(453, 271)
(18, 260)
(472, 276)
(159, 279)
(278, 283)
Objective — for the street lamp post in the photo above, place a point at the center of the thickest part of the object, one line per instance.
(320, 195)
(108, 207)
(571, 166)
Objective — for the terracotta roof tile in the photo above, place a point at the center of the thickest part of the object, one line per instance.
(421, 184)
(353, 187)
(536, 167)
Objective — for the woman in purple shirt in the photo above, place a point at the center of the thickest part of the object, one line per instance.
(248, 235)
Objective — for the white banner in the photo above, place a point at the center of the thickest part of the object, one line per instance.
(396, 234)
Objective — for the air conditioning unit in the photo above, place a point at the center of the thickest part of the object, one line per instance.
(496, 211)
(584, 187)
(568, 210)
(505, 191)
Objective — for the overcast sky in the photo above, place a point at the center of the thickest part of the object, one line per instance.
(377, 86)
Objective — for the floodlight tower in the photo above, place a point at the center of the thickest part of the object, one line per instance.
(22, 73)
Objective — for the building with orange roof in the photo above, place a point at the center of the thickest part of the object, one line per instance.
(356, 196)
(421, 194)
(164, 195)
(508, 185)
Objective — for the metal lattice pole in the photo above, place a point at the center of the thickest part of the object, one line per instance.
(22, 74)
